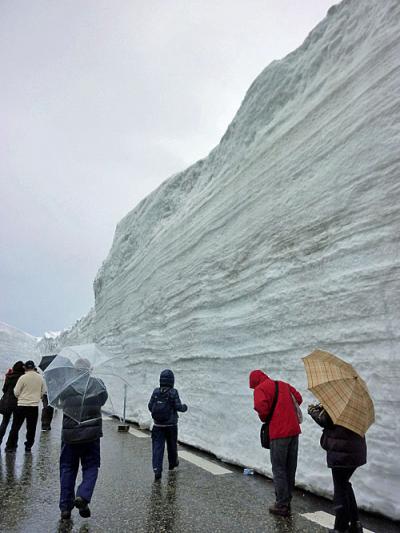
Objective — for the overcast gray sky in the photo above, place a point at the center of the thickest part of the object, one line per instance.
(101, 101)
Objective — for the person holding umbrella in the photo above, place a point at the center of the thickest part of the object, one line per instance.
(345, 412)
(72, 388)
(47, 410)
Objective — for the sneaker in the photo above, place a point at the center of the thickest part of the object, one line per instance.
(281, 510)
(157, 476)
(83, 506)
(45, 429)
(65, 515)
(171, 467)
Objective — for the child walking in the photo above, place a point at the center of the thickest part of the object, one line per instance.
(164, 405)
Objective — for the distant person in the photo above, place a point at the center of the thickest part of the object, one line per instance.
(47, 414)
(28, 391)
(9, 401)
(345, 452)
(164, 405)
(284, 430)
(80, 441)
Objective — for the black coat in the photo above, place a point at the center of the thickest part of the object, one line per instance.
(344, 448)
(175, 401)
(9, 399)
(90, 428)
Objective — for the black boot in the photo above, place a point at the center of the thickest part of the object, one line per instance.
(83, 507)
(356, 527)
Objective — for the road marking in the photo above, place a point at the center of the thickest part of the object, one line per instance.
(325, 519)
(138, 433)
(106, 417)
(203, 463)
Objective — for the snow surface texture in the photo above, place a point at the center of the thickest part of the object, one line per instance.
(285, 238)
(15, 345)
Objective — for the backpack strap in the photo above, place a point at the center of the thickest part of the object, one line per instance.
(270, 414)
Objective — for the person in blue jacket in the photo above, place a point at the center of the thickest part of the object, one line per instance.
(164, 405)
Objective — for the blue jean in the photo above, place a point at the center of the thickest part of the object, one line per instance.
(88, 454)
(160, 435)
(284, 465)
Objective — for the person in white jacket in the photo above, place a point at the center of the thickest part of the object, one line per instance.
(29, 391)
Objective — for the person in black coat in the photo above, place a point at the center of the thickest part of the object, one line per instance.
(345, 452)
(164, 405)
(81, 433)
(9, 399)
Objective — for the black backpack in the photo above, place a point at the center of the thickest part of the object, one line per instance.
(162, 407)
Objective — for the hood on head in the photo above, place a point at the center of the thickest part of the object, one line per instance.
(167, 378)
(256, 377)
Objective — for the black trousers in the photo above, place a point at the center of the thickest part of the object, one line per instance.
(22, 413)
(284, 464)
(160, 435)
(47, 413)
(345, 505)
(4, 425)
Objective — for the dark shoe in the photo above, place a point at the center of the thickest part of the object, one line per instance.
(11, 450)
(356, 527)
(28, 450)
(338, 531)
(157, 476)
(281, 510)
(83, 506)
(65, 515)
(171, 467)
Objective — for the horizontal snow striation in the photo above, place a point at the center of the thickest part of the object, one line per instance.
(286, 237)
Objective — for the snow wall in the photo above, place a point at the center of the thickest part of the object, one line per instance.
(15, 345)
(285, 238)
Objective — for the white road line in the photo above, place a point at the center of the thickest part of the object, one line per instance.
(104, 417)
(138, 433)
(203, 463)
(324, 519)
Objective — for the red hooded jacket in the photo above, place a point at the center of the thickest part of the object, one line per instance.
(284, 421)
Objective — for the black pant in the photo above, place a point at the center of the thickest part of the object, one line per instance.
(159, 435)
(344, 501)
(4, 425)
(47, 413)
(22, 413)
(284, 465)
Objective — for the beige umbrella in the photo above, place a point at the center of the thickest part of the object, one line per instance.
(340, 390)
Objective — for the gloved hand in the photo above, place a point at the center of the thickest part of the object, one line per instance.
(314, 408)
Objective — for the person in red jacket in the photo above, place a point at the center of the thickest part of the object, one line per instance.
(284, 430)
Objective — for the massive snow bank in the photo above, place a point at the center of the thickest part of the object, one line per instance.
(15, 345)
(286, 237)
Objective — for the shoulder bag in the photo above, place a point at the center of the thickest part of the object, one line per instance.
(264, 432)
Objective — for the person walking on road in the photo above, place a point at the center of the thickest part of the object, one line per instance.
(164, 405)
(345, 452)
(28, 391)
(81, 441)
(9, 401)
(284, 430)
(47, 414)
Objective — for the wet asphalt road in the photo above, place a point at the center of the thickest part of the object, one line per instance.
(126, 499)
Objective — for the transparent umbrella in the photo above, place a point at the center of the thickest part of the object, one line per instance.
(79, 381)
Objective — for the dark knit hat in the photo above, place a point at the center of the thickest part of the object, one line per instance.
(29, 365)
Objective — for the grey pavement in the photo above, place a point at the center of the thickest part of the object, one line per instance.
(126, 499)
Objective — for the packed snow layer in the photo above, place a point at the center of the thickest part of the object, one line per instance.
(15, 345)
(284, 239)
